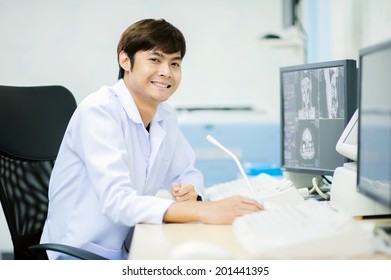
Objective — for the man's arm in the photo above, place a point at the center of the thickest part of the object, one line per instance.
(211, 212)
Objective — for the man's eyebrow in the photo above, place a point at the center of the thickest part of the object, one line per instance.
(160, 54)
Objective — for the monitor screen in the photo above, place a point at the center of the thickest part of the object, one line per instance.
(374, 132)
(317, 102)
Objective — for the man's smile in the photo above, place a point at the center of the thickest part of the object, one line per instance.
(160, 84)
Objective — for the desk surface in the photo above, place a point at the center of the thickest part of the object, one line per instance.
(157, 241)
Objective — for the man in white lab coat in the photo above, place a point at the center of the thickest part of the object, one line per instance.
(121, 146)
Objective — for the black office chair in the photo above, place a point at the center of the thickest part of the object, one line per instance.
(32, 124)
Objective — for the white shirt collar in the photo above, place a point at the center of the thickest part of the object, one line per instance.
(130, 107)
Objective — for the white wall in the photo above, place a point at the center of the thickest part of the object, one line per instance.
(375, 22)
(338, 29)
(73, 43)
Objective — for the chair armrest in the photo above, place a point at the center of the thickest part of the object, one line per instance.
(69, 250)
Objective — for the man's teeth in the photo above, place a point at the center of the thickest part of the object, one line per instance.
(161, 85)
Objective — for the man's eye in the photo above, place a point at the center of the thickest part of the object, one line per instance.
(154, 59)
(175, 64)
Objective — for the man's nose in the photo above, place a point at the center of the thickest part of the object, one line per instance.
(165, 70)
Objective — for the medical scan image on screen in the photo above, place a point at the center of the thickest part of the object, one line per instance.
(314, 117)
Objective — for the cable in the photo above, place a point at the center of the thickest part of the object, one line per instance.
(316, 188)
(326, 179)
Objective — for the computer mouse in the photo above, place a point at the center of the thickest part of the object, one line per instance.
(199, 250)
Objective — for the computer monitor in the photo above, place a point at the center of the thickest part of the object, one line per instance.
(317, 102)
(374, 130)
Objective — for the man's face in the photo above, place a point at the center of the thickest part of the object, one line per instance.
(155, 76)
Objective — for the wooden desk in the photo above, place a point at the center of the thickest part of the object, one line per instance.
(157, 241)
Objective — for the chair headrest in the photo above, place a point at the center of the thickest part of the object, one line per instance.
(33, 120)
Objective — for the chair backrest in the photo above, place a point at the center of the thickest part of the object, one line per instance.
(32, 124)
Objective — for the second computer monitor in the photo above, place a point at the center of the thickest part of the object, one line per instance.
(317, 101)
(374, 152)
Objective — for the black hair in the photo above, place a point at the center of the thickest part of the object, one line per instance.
(148, 34)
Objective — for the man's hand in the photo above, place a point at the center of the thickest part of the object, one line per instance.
(226, 210)
(211, 212)
(183, 192)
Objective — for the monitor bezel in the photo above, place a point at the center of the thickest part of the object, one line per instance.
(350, 91)
(348, 143)
(362, 53)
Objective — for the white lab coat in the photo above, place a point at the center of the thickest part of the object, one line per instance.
(108, 170)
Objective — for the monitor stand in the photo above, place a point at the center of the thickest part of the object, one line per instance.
(301, 180)
(344, 196)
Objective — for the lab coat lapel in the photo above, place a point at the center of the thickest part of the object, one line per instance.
(156, 138)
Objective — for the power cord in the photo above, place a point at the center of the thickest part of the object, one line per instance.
(315, 187)
(326, 179)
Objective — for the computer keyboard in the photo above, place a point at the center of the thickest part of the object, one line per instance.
(264, 188)
(310, 229)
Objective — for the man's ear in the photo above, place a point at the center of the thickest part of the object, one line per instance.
(124, 61)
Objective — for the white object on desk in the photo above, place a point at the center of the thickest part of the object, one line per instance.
(345, 198)
(307, 230)
(265, 188)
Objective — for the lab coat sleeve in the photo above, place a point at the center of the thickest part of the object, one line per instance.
(182, 167)
(99, 141)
